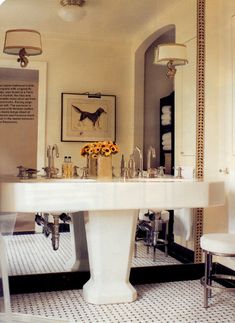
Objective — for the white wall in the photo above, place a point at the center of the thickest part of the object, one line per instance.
(81, 66)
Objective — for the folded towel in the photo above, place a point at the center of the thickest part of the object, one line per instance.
(166, 135)
(165, 117)
(166, 122)
(166, 147)
(167, 113)
(166, 141)
(166, 108)
(183, 223)
(166, 144)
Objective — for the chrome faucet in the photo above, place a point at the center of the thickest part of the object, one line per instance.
(151, 154)
(56, 150)
(131, 167)
(51, 170)
(179, 172)
(140, 174)
(161, 171)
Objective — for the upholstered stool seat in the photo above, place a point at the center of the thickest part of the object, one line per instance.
(218, 244)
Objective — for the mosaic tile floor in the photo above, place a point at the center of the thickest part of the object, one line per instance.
(33, 254)
(176, 302)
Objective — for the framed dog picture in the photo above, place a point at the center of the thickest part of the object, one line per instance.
(88, 117)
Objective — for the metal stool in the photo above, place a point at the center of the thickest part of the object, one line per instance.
(155, 232)
(218, 244)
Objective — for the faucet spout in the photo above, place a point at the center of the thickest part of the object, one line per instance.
(140, 160)
(50, 170)
(151, 154)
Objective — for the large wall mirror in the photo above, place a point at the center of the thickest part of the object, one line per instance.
(182, 22)
(188, 109)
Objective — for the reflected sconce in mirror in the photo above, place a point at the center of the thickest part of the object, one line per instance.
(22, 42)
(171, 55)
(72, 10)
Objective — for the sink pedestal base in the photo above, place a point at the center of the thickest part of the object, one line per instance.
(110, 241)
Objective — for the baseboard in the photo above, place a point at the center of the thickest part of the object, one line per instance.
(221, 269)
(183, 254)
(166, 273)
(16, 233)
(76, 280)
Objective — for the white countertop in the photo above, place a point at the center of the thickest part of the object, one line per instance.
(70, 195)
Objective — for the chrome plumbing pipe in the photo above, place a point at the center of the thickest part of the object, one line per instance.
(55, 232)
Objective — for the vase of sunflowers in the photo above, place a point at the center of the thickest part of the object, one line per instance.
(100, 154)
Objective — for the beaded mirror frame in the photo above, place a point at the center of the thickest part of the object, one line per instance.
(200, 108)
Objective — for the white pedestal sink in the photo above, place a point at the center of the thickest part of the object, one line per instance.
(110, 238)
(111, 222)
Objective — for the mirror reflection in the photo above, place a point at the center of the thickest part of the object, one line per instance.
(143, 93)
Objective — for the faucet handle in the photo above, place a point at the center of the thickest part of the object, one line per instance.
(152, 172)
(161, 171)
(75, 171)
(22, 172)
(179, 172)
(84, 172)
(31, 172)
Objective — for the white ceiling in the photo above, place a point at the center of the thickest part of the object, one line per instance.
(105, 19)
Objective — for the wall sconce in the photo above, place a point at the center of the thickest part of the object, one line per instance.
(1, 1)
(22, 42)
(172, 55)
(72, 10)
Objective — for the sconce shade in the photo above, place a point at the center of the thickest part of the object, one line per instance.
(17, 39)
(171, 55)
(176, 53)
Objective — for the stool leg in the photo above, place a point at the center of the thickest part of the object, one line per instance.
(155, 238)
(210, 274)
(148, 240)
(207, 277)
(166, 241)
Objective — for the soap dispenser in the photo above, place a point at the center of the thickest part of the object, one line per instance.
(70, 167)
(65, 167)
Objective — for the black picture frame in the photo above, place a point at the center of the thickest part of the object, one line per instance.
(88, 117)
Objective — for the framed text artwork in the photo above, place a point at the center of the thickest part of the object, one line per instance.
(88, 117)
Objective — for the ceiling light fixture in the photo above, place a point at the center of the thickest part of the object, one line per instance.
(22, 42)
(172, 55)
(72, 10)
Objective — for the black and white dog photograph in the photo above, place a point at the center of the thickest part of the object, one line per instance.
(86, 118)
